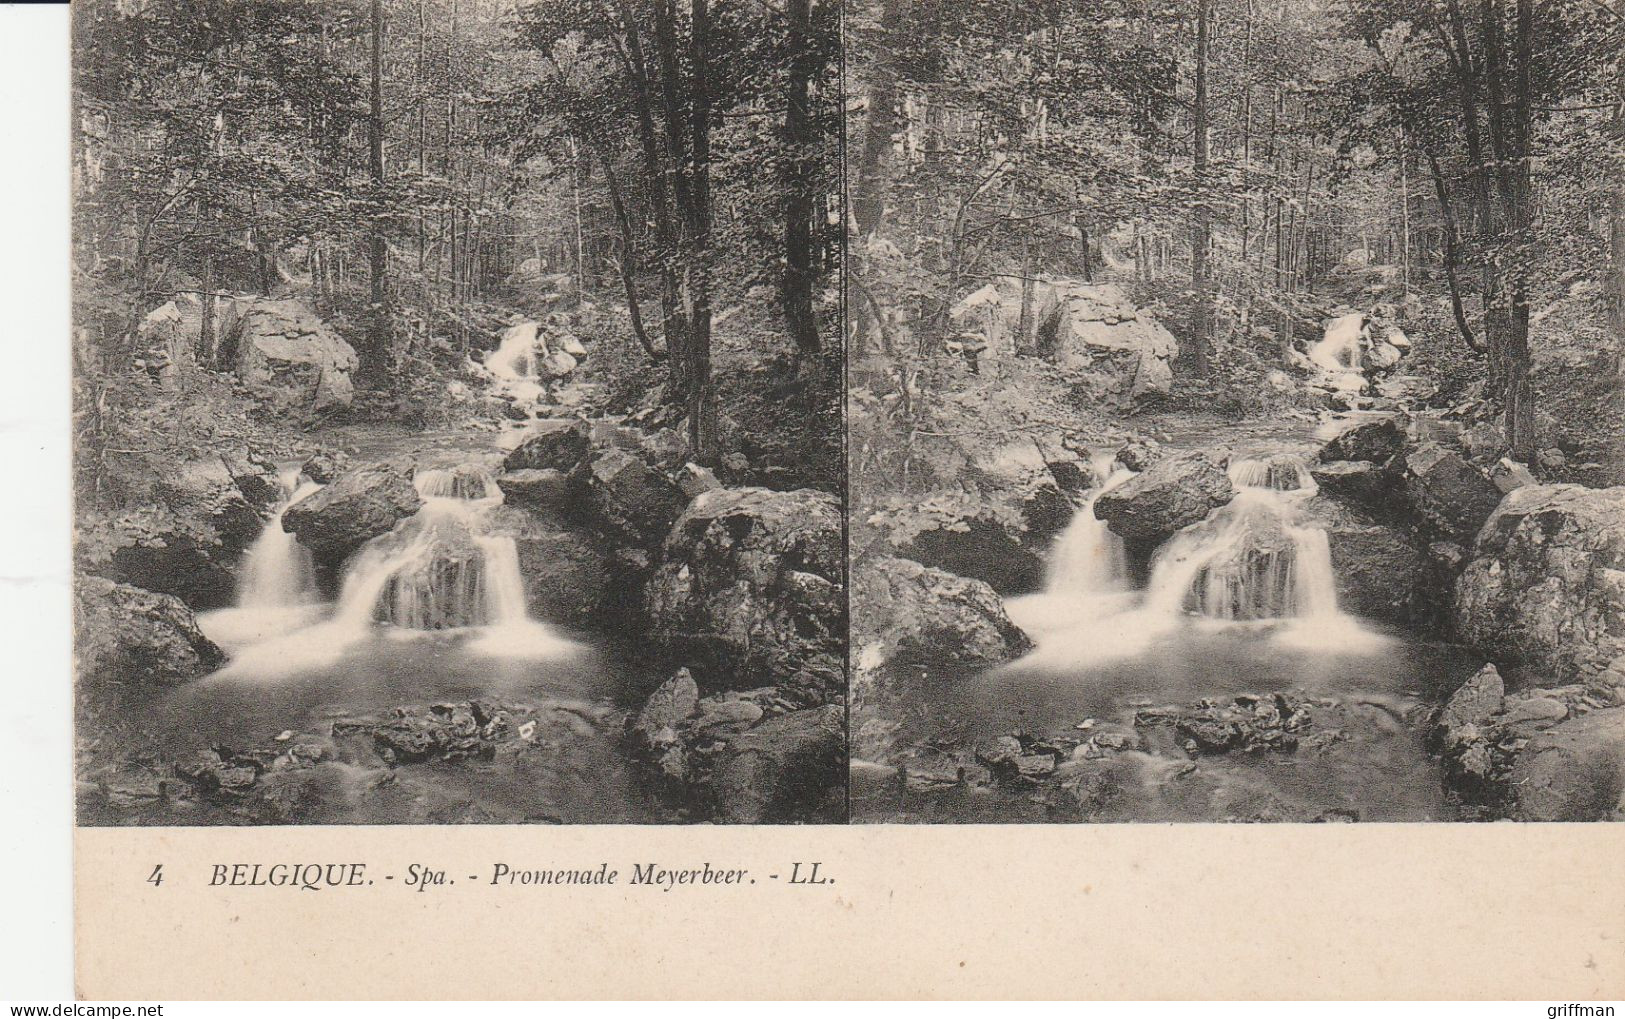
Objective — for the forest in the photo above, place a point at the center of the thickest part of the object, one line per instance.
(509, 327)
(1235, 409)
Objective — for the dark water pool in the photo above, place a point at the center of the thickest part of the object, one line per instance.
(1363, 757)
(567, 768)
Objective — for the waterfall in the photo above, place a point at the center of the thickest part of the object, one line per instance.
(1088, 557)
(441, 570)
(276, 570)
(516, 354)
(1340, 354)
(1254, 561)
(1242, 563)
(276, 580)
(515, 364)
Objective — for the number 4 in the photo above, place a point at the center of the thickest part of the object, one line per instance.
(157, 876)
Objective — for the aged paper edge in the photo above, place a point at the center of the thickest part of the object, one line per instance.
(1103, 912)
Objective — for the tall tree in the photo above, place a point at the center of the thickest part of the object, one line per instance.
(374, 356)
(797, 284)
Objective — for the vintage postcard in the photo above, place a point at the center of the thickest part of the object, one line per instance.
(867, 499)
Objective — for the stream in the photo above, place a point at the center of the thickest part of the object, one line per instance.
(1217, 680)
(423, 691)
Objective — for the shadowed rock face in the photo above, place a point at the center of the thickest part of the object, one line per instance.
(1450, 496)
(1174, 492)
(751, 590)
(1574, 771)
(628, 499)
(125, 635)
(1546, 585)
(908, 615)
(356, 507)
(1373, 441)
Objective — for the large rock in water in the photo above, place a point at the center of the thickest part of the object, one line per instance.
(1450, 496)
(187, 541)
(558, 448)
(750, 591)
(1375, 442)
(357, 507)
(784, 769)
(1379, 572)
(1546, 585)
(1574, 771)
(909, 615)
(283, 345)
(628, 499)
(1174, 492)
(124, 635)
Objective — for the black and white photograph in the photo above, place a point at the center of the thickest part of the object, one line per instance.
(1236, 410)
(457, 412)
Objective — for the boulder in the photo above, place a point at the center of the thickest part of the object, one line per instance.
(1375, 487)
(671, 703)
(1139, 454)
(627, 498)
(124, 635)
(1574, 771)
(1546, 586)
(1449, 496)
(325, 466)
(694, 479)
(1372, 441)
(1174, 492)
(1379, 572)
(1509, 474)
(1078, 325)
(1094, 321)
(283, 345)
(537, 488)
(750, 589)
(355, 508)
(558, 448)
(1474, 703)
(907, 615)
(570, 577)
(783, 770)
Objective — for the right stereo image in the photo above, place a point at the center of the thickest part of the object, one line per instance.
(1235, 411)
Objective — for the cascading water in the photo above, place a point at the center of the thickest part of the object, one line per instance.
(277, 571)
(1255, 560)
(441, 570)
(276, 582)
(1089, 558)
(1340, 354)
(515, 364)
(1282, 473)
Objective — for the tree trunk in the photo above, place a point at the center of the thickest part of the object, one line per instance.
(374, 359)
(702, 404)
(797, 285)
(629, 253)
(1195, 351)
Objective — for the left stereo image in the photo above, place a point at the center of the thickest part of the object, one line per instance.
(457, 413)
